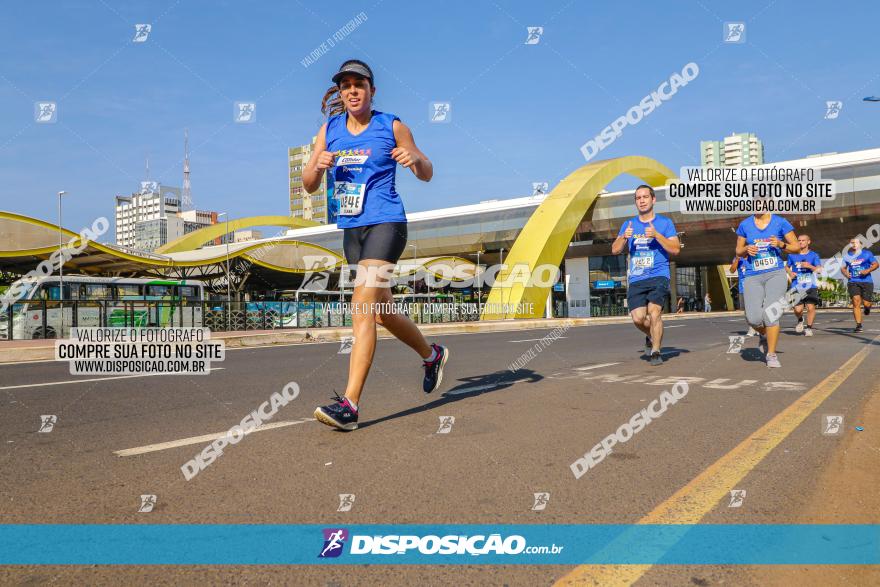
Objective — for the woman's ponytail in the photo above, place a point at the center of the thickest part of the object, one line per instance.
(332, 104)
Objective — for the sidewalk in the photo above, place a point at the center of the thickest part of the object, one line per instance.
(15, 351)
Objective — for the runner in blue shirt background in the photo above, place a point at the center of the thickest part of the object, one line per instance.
(651, 238)
(761, 239)
(802, 267)
(858, 264)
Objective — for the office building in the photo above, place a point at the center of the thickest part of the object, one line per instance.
(737, 150)
(302, 204)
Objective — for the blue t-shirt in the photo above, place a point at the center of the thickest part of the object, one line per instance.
(364, 172)
(768, 258)
(647, 258)
(804, 278)
(857, 263)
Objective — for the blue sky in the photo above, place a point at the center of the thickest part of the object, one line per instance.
(520, 113)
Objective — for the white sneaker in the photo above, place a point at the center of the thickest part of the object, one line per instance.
(800, 327)
(751, 332)
(773, 361)
(808, 332)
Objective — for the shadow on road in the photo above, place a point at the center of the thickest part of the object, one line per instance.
(666, 352)
(469, 387)
(849, 333)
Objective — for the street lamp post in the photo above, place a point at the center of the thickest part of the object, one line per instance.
(228, 278)
(60, 267)
(228, 291)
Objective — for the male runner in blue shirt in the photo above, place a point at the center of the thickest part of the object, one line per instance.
(650, 238)
(802, 268)
(858, 264)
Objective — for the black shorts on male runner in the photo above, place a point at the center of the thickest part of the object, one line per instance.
(866, 290)
(385, 242)
(653, 289)
(811, 297)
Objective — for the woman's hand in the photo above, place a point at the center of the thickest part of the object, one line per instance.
(325, 160)
(752, 250)
(404, 156)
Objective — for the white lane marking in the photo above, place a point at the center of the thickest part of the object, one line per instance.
(534, 339)
(674, 326)
(128, 452)
(98, 379)
(475, 388)
(588, 367)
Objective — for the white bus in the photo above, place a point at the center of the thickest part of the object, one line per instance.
(102, 301)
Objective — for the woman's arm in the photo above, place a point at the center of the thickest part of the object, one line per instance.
(321, 161)
(407, 154)
(734, 265)
(741, 248)
(791, 243)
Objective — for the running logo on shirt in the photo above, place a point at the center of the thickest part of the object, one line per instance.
(352, 157)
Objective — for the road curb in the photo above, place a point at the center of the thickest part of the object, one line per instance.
(46, 350)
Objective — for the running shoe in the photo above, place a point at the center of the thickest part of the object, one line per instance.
(800, 326)
(867, 310)
(858, 328)
(649, 346)
(751, 332)
(773, 360)
(434, 369)
(656, 358)
(808, 331)
(340, 414)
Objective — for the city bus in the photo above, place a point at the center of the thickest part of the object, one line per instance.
(43, 312)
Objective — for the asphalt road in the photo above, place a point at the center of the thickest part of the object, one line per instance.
(513, 435)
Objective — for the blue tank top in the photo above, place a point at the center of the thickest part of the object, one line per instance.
(364, 172)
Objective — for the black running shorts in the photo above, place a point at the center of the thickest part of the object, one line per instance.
(385, 242)
(810, 297)
(653, 289)
(866, 290)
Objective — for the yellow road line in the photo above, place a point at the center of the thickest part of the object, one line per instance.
(689, 504)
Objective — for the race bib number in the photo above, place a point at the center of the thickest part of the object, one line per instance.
(764, 263)
(805, 279)
(642, 262)
(351, 198)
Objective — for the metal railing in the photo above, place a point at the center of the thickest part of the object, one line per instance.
(46, 319)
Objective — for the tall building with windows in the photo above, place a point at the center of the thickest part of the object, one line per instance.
(148, 219)
(737, 150)
(152, 217)
(317, 206)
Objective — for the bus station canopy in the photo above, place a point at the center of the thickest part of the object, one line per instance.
(25, 242)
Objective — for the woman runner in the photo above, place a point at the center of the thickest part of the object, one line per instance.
(761, 239)
(362, 147)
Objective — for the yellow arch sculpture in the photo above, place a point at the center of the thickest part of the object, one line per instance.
(199, 237)
(546, 235)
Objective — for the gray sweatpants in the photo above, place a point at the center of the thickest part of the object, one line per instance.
(760, 291)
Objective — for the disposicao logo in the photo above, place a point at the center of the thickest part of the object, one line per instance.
(334, 541)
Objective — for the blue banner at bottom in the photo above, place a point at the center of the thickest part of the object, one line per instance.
(250, 544)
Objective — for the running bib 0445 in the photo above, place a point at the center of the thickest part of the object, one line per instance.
(351, 198)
